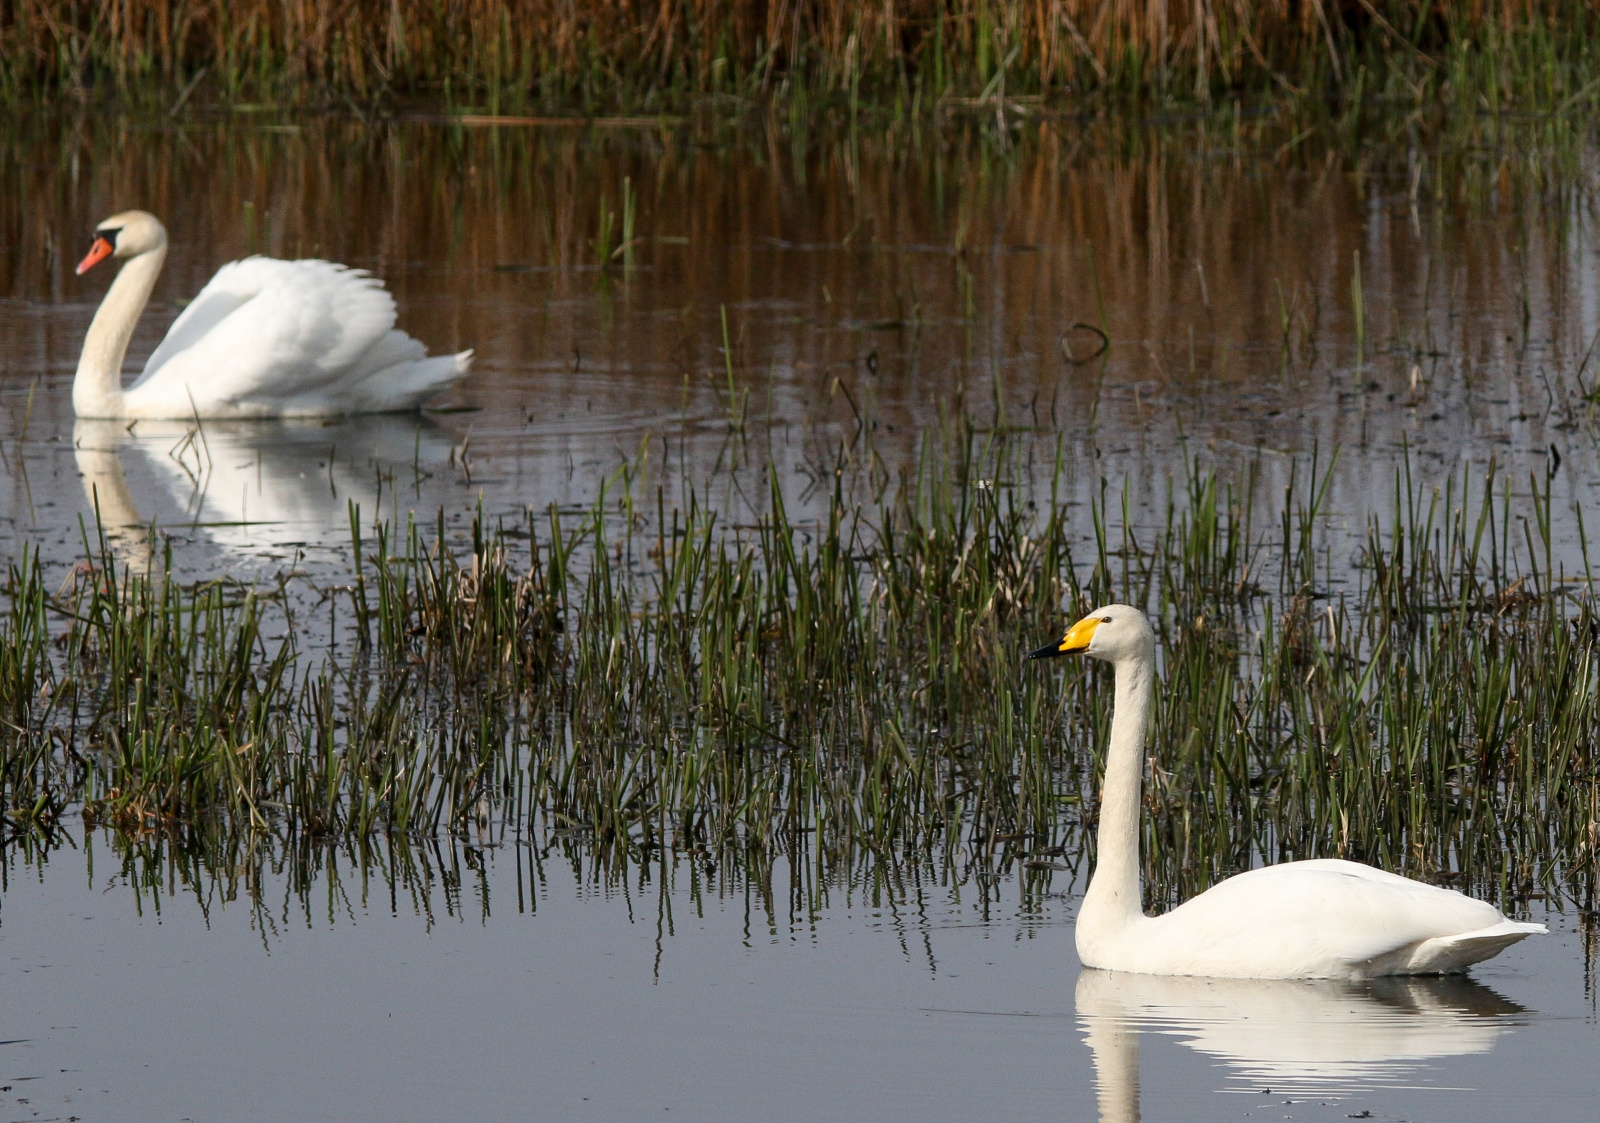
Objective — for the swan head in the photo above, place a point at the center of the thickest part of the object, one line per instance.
(1113, 633)
(128, 234)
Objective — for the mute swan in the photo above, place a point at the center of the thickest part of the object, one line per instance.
(265, 338)
(1324, 918)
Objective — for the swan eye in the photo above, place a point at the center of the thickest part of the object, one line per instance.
(1105, 619)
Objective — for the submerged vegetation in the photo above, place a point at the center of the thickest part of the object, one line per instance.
(916, 55)
(845, 695)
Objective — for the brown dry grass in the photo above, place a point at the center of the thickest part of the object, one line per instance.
(611, 53)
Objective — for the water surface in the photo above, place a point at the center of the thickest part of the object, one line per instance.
(1418, 303)
(638, 1000)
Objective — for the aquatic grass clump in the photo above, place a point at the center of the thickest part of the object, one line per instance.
(162, 707)
(754, 686)
(29, 778)
(648, 682)
(468, 621)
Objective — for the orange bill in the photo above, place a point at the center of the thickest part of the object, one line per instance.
(97, 253)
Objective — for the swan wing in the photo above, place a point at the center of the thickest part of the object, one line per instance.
(234, 285)
(1317, 918)
(264, 331)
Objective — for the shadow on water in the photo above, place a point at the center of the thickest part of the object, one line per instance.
(1302, 1038)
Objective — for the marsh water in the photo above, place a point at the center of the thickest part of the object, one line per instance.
(703, 304)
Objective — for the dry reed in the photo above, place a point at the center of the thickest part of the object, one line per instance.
(612, 54)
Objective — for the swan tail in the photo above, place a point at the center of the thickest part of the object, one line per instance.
(407, 386)
(396, 376)
(1446, 955)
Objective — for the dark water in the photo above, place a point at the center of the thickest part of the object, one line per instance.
(881, 279)
(782, 292)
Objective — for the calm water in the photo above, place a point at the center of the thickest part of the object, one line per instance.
(1429, 301)
(875, 280)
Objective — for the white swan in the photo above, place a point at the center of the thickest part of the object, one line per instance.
(265, 338)
(1325, 918)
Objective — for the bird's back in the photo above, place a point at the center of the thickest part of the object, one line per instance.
(1323, 918)
(267, 337)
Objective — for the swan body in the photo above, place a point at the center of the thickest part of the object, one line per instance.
(265, 338)
(1324, 918)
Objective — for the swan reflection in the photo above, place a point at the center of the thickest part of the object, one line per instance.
(1311, 1037)
(253, 488)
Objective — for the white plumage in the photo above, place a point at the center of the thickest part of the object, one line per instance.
(1325, 918)
(265, 338)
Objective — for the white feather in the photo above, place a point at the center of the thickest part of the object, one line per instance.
(265, 338)
(1324, 918)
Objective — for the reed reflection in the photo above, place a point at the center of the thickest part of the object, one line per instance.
(1299, 1037)
(920, 268)
(255, 489)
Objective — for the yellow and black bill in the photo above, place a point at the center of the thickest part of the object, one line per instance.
(1076, 640)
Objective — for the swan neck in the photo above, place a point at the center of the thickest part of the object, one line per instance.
(1116, 885)
(97, 389)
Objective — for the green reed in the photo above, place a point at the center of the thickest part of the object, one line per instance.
(846, 692)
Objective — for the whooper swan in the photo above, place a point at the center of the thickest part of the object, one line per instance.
(1325, 918)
